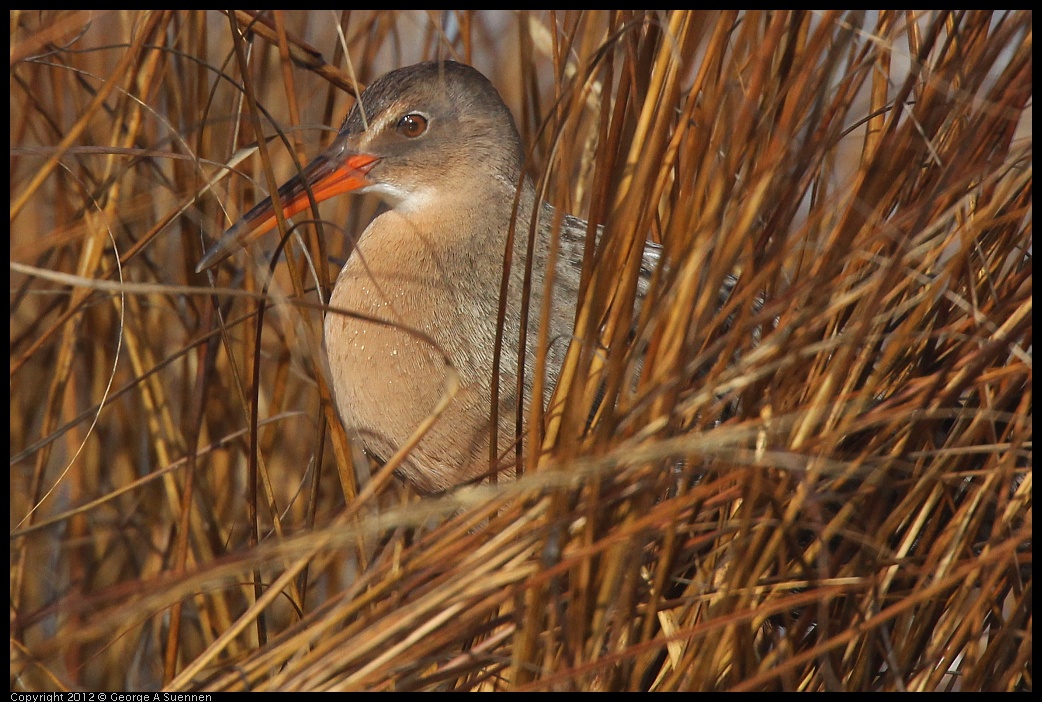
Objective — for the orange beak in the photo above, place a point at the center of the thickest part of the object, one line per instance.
(327, 177)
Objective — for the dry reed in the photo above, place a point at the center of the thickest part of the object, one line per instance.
(824, 484)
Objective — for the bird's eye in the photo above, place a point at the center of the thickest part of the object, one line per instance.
(412, 125)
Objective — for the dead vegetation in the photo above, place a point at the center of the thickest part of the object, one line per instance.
(825, 484)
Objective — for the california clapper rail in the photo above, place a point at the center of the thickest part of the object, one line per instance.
(437, 143)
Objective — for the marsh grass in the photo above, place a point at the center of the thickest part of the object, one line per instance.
(823, 484)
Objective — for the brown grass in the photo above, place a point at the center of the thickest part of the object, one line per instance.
(828, 490)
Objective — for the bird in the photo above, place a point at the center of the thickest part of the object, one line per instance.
(437, 143)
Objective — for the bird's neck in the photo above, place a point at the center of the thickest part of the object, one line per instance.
(454, 244)
(460, 218)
